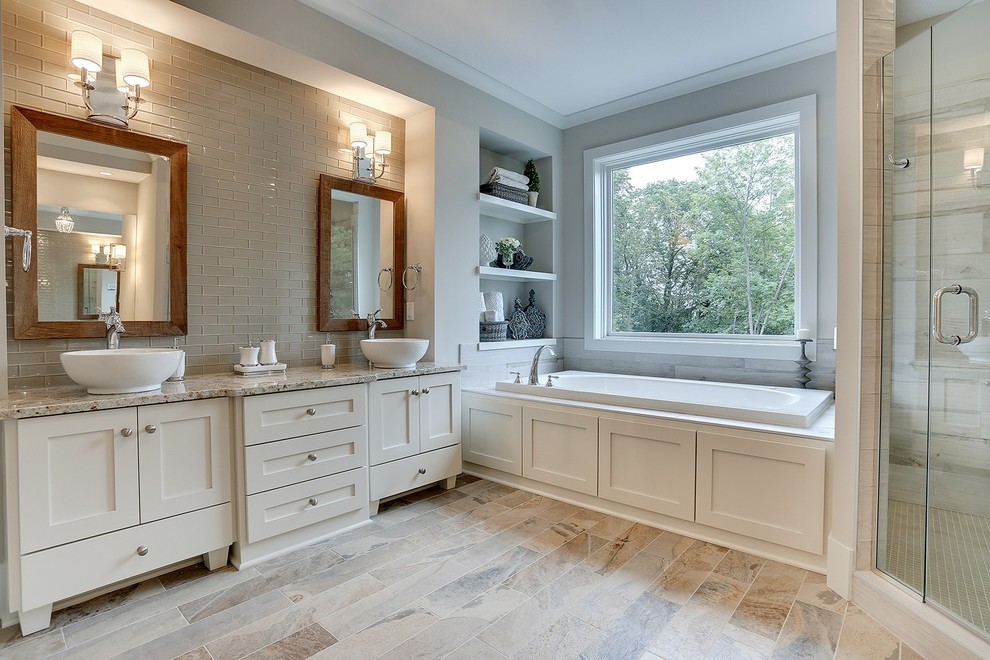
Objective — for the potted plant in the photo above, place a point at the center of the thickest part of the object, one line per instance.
(507, 248)
(534, 181)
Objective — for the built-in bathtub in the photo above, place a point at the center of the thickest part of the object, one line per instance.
(786, 406)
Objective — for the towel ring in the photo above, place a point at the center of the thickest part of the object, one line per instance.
(418, 269)
(391, 280)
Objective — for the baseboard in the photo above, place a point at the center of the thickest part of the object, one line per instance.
(840, 561)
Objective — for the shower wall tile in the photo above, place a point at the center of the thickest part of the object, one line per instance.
(257, 145)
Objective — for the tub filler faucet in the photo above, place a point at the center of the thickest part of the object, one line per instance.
(114, 327)
(534, 369)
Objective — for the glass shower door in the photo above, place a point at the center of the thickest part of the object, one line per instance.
(935, 444)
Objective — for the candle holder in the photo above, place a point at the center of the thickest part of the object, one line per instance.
(804, 371)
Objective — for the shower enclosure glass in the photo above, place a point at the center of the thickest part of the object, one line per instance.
(933, 532)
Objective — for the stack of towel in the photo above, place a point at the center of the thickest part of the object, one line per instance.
(507, 184)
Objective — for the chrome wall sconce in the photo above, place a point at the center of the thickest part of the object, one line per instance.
(369, 152)
(132, 75)
(64, 222)
(973, 163)
(113, 255)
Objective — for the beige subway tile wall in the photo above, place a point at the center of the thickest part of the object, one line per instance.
(257, 145)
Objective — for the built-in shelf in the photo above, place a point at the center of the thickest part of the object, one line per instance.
(496, 207)
(515, 343)
(487, 272)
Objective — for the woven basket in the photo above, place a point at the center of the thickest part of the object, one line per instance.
(493, 330)
(503, 191)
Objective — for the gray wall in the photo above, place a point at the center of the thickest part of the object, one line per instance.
(813, 76)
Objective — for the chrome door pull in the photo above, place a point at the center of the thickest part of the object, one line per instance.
(974, 310)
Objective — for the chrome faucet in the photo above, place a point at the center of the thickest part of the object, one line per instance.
(534, 369)
(374, 322)
(114, 327)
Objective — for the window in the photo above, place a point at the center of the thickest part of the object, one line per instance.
(703, 238)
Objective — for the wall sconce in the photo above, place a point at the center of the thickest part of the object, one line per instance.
(973, 163)
(113, 255)
(369, 152)
(132, 74)
(63, 221)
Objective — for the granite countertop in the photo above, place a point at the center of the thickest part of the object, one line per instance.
(38, 402)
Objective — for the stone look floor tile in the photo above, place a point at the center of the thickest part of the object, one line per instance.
(124, 639)
(609, 558)
(809, 632)
(764, 608)
(447, 599)
(636, 631)
(863, 637)
(37, 645)
(568, 638)
(297, 646)
(741, 566)
(196, 654)
(814, 591)
(474, 649)
(697, 625)
(376, 640)
(615, 592)
(545, 570)
(669, 545)
(684, 575)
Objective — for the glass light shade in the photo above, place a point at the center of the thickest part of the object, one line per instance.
(95, 248)
(973, 159)
(63, 222)
(383, 143)
(87, 51)
(134, 67)
(370, 149)
(121, 85)
(359, 135)
(118, 251)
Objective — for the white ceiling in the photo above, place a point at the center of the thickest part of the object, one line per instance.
(571, 61)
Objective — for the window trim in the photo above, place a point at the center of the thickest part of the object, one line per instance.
(751, 124)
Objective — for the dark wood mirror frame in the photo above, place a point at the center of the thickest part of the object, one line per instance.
(393, 317)
(24, 126)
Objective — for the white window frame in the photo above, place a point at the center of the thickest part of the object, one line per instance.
(724, 131)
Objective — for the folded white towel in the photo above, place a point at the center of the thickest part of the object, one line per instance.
(502, 175)
(511, 183)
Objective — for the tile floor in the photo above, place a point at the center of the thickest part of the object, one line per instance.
(482, 571)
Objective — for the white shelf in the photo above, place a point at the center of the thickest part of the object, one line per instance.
(487, 272)
(515, 343)
(496, 207)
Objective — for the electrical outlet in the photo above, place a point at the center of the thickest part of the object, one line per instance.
(410, 311)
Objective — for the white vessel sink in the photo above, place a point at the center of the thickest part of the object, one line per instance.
(396, 353)
(122, 370)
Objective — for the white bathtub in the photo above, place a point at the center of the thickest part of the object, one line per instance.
(787, 406)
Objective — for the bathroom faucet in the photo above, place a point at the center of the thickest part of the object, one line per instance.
(534, 369)
(114, 327)
(374, 322)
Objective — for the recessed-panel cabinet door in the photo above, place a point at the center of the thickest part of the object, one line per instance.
(185, 457)
(561, 448)
(78, 476)
(393, 419)
(492, 433)
(440, 410)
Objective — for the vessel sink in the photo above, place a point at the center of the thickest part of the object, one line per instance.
(398, 353)
(121, 370)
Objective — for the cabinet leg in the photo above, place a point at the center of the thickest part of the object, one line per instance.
(373, 508)
(34, 620)
(448, 483)
(216, 558)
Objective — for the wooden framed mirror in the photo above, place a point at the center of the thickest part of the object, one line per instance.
(362, 254)
(124, 191)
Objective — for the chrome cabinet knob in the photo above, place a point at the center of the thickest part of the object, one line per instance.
(142, 550)
(414, 392)
(311, 457)
(310, 411)
(150, 428)
(313, 501)
(127, 432)
(426, 390)
(422, 470)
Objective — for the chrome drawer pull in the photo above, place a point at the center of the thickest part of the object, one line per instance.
(313, 501)
(311, 457)
(127, 432)
(310, 411)
(414, 392)
(150, 428)
(142, 550)
(426, 390)
(422, 470)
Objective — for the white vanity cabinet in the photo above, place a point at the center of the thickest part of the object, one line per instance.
(95, 498)
(414, 431)
(302, 468)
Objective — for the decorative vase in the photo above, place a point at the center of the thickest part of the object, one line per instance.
(487, 250)
(535, 316)
(518, 324)
(533, 195)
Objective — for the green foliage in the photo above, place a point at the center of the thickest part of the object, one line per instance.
(712, 256)
(534, 176)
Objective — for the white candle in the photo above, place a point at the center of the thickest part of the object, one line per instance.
(804, 333)
(328, 355)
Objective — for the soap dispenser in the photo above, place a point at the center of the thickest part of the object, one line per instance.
(180, 371)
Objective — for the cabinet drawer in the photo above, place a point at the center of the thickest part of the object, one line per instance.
(271, 417)
(281, 510)
(286, 462)
(415, 471)
(75, 568)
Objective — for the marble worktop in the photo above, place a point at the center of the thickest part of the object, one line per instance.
(38, 402)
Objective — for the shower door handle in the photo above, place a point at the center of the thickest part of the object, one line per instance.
(974, 311)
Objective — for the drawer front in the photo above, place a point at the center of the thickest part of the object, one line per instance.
(286, 462)
(284, 509)
(51, 575)
(408, 473)
(269, 417)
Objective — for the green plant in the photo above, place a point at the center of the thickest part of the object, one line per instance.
(534, 176)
